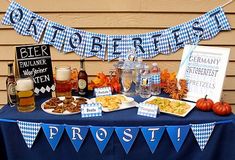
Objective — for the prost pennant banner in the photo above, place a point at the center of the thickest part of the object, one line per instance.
(153, 135)
(87, 44)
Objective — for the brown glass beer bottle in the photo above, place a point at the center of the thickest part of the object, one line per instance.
(10, 85)
(82, 80)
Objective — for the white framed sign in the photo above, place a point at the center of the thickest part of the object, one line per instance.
(204, 68)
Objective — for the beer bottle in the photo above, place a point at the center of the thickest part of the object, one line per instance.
(82, 80)
(10, 85)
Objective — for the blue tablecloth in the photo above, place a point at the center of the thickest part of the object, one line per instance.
(12, 146)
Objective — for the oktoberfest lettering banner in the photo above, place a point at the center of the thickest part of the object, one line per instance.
(88, 44)
(127, 135)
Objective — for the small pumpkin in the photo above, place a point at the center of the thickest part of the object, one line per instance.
(222, 108)
(204, 104)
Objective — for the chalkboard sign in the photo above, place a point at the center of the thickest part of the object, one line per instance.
(35, 61)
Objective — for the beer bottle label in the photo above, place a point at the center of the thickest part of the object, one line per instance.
(145, 81)
(11, 89)
(11, 93)
(156, 78)
(82, 84)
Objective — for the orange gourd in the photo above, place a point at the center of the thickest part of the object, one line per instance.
(222, 108)
(204, 104)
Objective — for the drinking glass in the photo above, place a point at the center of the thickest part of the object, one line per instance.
(63, 81)
(126, 80)
(25, 99)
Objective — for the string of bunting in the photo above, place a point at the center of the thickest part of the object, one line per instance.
(126, 135)
(88, 44)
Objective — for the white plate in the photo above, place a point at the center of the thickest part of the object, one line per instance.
(191, 104)
(122, 106)
(65, 112)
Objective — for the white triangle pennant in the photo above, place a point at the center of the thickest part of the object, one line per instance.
(29, 131)
(202, 133)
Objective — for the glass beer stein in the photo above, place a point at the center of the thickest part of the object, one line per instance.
(63, 81)
(25, 94)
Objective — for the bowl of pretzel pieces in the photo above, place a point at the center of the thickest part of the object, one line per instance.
(67, 105)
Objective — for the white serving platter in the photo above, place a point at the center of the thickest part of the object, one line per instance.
(65, 112)
(191, 104)
(132, 103)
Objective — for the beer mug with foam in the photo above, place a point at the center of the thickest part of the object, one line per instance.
(63, 81)
(25, 94)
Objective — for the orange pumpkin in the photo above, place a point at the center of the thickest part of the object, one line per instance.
(222, 108)
(204, 104)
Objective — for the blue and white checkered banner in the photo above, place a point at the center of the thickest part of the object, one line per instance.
(202, 133)
(142, 44)
(95, 45)
(163, 44)
(53, 133)
(54, 35)
(217, 21)
(178, 135)
(75, 41)
(220, 18)
(127, 136)
(118, 46)
(29, 131)
(178, 37)
(154, 43)
(34, 26)
(153, 135)
(198, 28)
(88, 44)
(101, 136)
(77, 135)
(16, 16)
